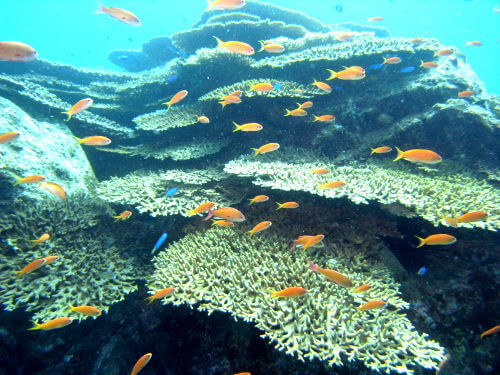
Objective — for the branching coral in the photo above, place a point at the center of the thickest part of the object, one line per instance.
(221, 270)
(162, 120)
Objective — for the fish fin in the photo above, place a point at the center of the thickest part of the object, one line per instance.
(385, 61)
(312, 266)
(191, 212)
(273, 293)
(332, 76)
(250, 232)
(116, 218)
(238, 127)
(252, 86)
(19, 274)
(262, 46)
(36, 326)
(210, 5)
(69, 115)
(220, 43)
(100, 8)
(17, 182)
(71, 308)
(400, 154)
(214, 222)
(280, 206)
(287, 112)
(256, 150)
(168, 104)
(150, 299)
(77, 143)
(299, 105)
(421, 243)
(251, 202)
(209, 216)
(315, 118)
(373, 151)
(223, 104)
(314, 79)
(34, 243)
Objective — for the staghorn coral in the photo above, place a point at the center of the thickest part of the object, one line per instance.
(91, 269)
(221, 270)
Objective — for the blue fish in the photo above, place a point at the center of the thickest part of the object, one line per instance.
(277, 86)
(339, 8)
(375, 66)
(407, 69)
(172, 78)
(159, 242)
(171, 192)
(422, 271)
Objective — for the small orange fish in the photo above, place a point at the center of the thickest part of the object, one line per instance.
(50, 259)
(227, 213)
(93, 140)
(416, 41)
(287, 205)
(52, 324)
(269, 147)
(236, 93)
(436, 239)
(16, 52)
(375, 19)
(313, 241)
(78, 107)
(44, 237)
(53, 189)
(176, 98)
(86, 310)
(443, 363)
(261, 87)
(141, 362)
(419, 156)
(465, 94)
(370, 305)
(263, 225)
(491, 331)
(30, 179)
(380, 150)
(362, 288)
(332, 275)
(474, 43)
(293, 291)
(201, 208)
(222, 223)
(271, 47)
(160, 294)
(332, 185)
(31, 266)
(319, 171)
(123, 216)
(468, 217)
(243, 373)
(203, 120)
(344, 36)
(444, 52)
(235, 47)
(258, 199)
(324, 118)
(121, 15)
(349, 74)
(305, 105)
(225, 4)
(391, 60)
(250, 127)
(428, 65)
(7, 137)
(230, 99)
(298, 112)
(322, 86)
(302, 240)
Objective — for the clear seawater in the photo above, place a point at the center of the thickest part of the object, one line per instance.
(69, 32)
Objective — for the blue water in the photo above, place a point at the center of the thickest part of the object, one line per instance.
(69, 32)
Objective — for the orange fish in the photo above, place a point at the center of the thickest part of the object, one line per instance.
(416, 41)
(263, 225)
(287, 205)
(370, 305)
(121, 15)
(392, 60)
(324, 118)
(250, 127)
(30, 179)
(349, 74)
(201, 208)
(7, 137)
(258, 199)
(305, 105)
(86, 310)
(428, 65)
(491, 331)
(375, 19)
(465, 94)
(322, 86)
(271, 47)
(226, 213)
(468, 217)
(176, 98)
(31, 266)
(44, 237)
(78, 107)
(332, 185)
(298, 112)
(53, 189)
(319, 171)
(236, 93)
(419, 156)
(52, 324)
(474, 43)
(343, 36)
(222, 223)
(261, 87)
(235, 47)
(123, 216)
(160, 294)
(230, 99)
(50, 259)
(266, 148)
(380, 150)
(302, 240)
(93, 140)
(225, 4)
(332, 275)
(243, 373)
(436, 239)
(16, 52)
(362, 288)
(203, 120)
(141, 362)
(293, 291)
(313, 241)
(443, 52)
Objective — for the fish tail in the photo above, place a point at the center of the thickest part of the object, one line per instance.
(150, 299)
(272, 293)
(250, 233)
(312, 266)
(210, 5)
(256, 150)
(385, 61)
(280, 206)
(400, 154)
(17, 182)
(299, 105)
(209, 216)
(35, 327)
(223, 104)
(220, 43)
(69, 115)
(315, 118)
(116, 218)
(33, 243)
(261, 46)
(100, 8)
(77, 143)
(71, 308)
(421, 243)
(421, 63)
(169, 104)
(314, 79)
(288, 112)
(191, 212)
(238, 127)
(451, 221)
(19, 274)
(214, 222)
(373, 151)
(251, 202)
(333, 74)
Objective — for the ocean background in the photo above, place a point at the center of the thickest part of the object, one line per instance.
(69, 32)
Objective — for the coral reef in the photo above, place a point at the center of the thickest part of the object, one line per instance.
(175, 117)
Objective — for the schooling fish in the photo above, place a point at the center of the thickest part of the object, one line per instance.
(16, 52)
(287, 205)
(375, 19)
(491, 331)
(474, 43)
(123, 216)
(263, 225)
(370, 305)
(266, 148)
(51, 324)
(465, 94)
(332, 275)
(298, 112)
(302, 240)
(225, 4)
(258, 199)
(250, 127)
(176, 98)
(230, 99)
(141, 362)
(322, 86)
(159, 242)
(271, 47)
(121, 15)
(222, 223)
(332, 185)
(319, 171)
(53, 189)
(468, 217)
(391, 60)
(86, 310)
(305, 105)
(324, 118)
(201, 208)
(348, 74)
(293, 291)
(419, 156)
(44, 237)
(226, 213)
(78, 107)
(362, 288)
(160, 294)
(436, 239)
(171, 192)
(313, 241)
(30, 267)
(443, 52)
(380, 150)
(407, 69)
(7, 137)
(428, 65)
(261, 87)
(50, 259)
(203, 120)
(30, 179)
(235, 47)
(94, 140)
